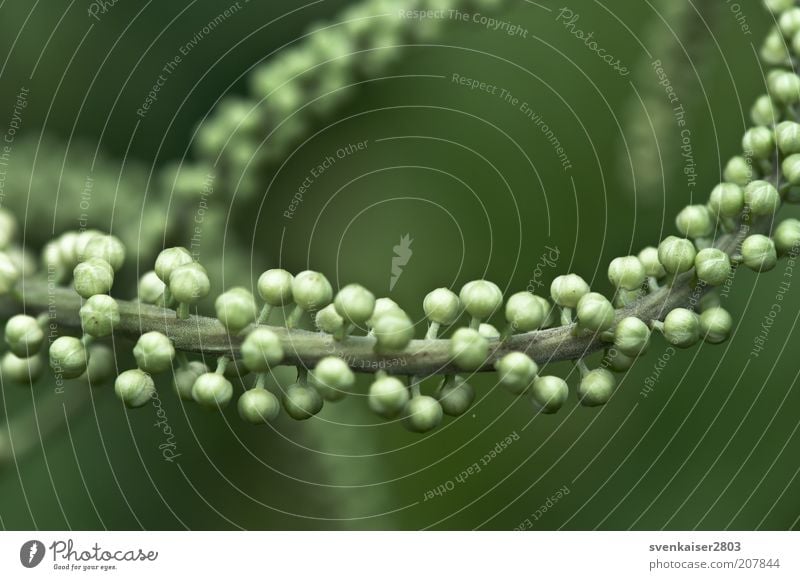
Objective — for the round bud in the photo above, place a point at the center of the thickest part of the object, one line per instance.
(515, 371)
(442, 306)
(189, 283)
(787, 134)
(275, 287)
(94, 276)
(694, 221)
(82, 240)
(726, 200)
(763, 111)
(567, 290)
(52, 262)
(596, 388)
(488, 331)
(549, 393)
(355, 304)
(68, 357)
(22, 371)
(481, 298)
(107, 248)
(787, 237)
(258, 406)
(759, 142)
(676, 255)
(333, 378)
(627, 273)
(595, 312)
(762, 198)
(618, 361)
(423, 414)
(456, 397)
(682, 328)
(311, 290)
(784, 88)
(302, 402)
(791, 168)
(185, 378)
(102, 367)
(388, 396)
(773, 50)
(67, 245)
(24, 336)
(738, 171)
(778, 6)
(383, 306)
(8, 228)
(135, 388)
(524, 312)
(236, 309)
(99, 315)
(631, 336)
(759, 253)
(212, 391)
(712, 266)
(649, 259)
(716, 325)
(328, 320)
(151, 288)
(393, 332)
(469, 349)
(170, 259)
(154, 353)
(789, 22)
(261, 350)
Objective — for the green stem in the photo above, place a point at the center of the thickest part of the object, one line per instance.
(294, 317)
(222, 364)
(264, 315)
(433, 331)
(183, 311)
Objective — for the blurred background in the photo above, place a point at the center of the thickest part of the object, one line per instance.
(558, 162)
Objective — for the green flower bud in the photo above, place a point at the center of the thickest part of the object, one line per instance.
(778, 6)
(694, 221)
(649, 259)
(170, 259)
(53, 262)
(275, 287)
(302, 402)
(759, 142)
(102, 367)
(423, 414)
(24, 336)
(135, 388)
(627, 273)
(383, 306)
(311, 290)
(355, 304)
(67, 245)
(618, 361)
(682, 328)
(631, 336)
(515, 371)
(212, 391)
(442, 306)
(185, 378)
(567, 290)
(333, 378)
(713, 266)
(551, 317)
(773, 50)
(236, 309)
(726, 200)
(787, 237)
(8, 228)
(388, 396)
(68, 357)
(154, 353)
(738, 171)
(790, 167)
(596, 388)
(261, 350)
(759, 253)
(595, 312)
(393, 332)
(488, 331)
(328, 320)
(784, 88)
(789, 22)
(9, 274)
(151, 288)
(763, 111)
(99, 315)
(762, 197)
(787, 135)
(481, 298)
(22, 371)
(549, 394)
(456, 397)
(258, 406)
(676, 255)
(94, 276)
(107, 248)
(716, 325)
(524, 312)
(189, 283)
(469, 349)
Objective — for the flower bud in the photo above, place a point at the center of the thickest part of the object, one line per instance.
(102, 368)
(676, 255)
(8, 228)
(549, 394)
(67, 245)
(596, 388)
(189, 283)
(726, 200)
(383, 306)
(388, 396)
(784, 87)
(151, 288)
(185, 378)
(170, 259)
(355, 304)
(107, 248)
(787, 135)
(631, 336)
(759, 253)
(154, 353)
(627, 273)
(649, 259)
(135, 388)
(442, 306)
(258, 406)
(488, 331)
(712, 266)
(682, 328)
(789, 22)
(328, 320)
(456, 397)
(790, 167)
(694, 221)
(738, 171)
(212, 391)
(481, 298)
(393, 332)
(94, 276)
(763, 111)
(22, 371)
(302, 402)
(99, 315)
(524, 312)
(759, 142)
(774, 51)
(236, 309)
(515, 371)
(595, 312)
(762, 197)
(68, 357)
(261, 350)
(716, 325)
(567, 290)
(423, 414)
(24, 336)
(333, 378)
(778, 6)
(618, 361)
(787, 237)
(311, 290)
(469, 349)
(275, 287)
